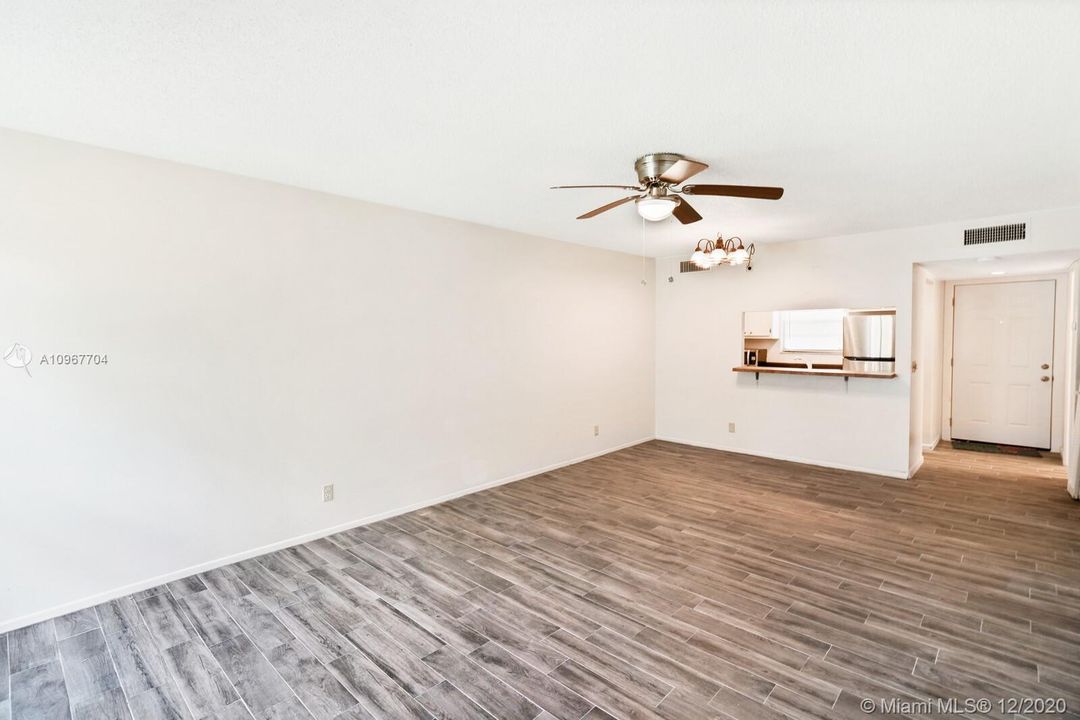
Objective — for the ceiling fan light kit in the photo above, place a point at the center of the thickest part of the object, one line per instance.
(660, 191)
(660, 194)
(655, 209)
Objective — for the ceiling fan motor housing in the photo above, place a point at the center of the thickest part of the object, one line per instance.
(650, 167)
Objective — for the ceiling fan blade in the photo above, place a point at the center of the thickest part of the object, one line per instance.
(605, 208)
(681, 171)
(685, 214)
(746, 191)
(570, 187)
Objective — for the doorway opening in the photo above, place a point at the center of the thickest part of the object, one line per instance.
(994, 358)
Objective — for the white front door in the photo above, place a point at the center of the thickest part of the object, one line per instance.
(1003, 353)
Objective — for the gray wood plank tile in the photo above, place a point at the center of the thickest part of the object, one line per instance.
(378, 582)
(208, 617)
(110, 705)
(379, 695)
(343, 615)
(485, 689)
(356, 713)
(598, 714)
(236, 711)
(656, 663)
(265, 586)
(200, 679)
(186, 586)
(658, 567)
(138, 662)
(533, 652)
(40, 693)
(31, 646)
(446, 702)
(315, 632)
(118, 616)
(89, 676)
(251, 674)
(603, 692)
(158, 703)
(167, 624)
(319, 690)
(403, 629)
(550, 695)
(76, 623)
(256, 620)
(332, 553)
(223, 583)
(149, 592)
(447, 629)
(289, 709)
(5, 684)
(399, 664)
(349, 588)
(82, 646)
(643, 687)
(288, 572)
(304, 557)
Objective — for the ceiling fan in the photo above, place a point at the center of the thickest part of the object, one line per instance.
(658, 193)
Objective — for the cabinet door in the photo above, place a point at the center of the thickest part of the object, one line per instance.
(759, 324)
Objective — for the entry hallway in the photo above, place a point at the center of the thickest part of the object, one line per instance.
(661, 581)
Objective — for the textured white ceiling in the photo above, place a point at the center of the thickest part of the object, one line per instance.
(871, 114)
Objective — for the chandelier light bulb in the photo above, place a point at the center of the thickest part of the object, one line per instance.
(710, 253)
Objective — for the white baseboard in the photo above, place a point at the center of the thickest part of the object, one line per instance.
(97, 599)
(902, 475)
(915, 468)
(930, 447)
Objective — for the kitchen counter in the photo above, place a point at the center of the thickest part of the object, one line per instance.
(822, 371)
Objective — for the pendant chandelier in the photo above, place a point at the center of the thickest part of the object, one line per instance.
(710, 253)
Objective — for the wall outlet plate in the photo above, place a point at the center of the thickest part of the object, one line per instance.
(596, 430)
(327, 492)
(731, 427)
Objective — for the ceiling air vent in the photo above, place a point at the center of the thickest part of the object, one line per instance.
(687, 266)
(998, 233)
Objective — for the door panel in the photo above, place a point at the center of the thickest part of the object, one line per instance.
(1002, 335)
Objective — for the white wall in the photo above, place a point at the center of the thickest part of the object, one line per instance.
(930, 365)
(926, 352)
(864, 423)
(264, 340)
(920, 341)
(1071, 445)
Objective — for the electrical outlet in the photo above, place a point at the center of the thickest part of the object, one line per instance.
(731, 427)
(327, 493)
(596, 430)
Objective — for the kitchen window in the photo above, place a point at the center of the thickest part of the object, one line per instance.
(820, 331)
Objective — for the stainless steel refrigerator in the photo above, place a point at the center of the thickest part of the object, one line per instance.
(870, 340)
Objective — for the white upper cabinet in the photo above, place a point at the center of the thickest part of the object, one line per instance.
(761, 324)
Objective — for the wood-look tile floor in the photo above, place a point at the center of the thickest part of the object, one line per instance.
(661, 581)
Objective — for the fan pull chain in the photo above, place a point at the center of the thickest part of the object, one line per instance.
(644, 283)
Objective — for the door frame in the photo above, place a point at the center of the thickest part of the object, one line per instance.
(1057, 394)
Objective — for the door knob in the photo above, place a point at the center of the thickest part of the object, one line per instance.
(1045, 378)
(1044, 366)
